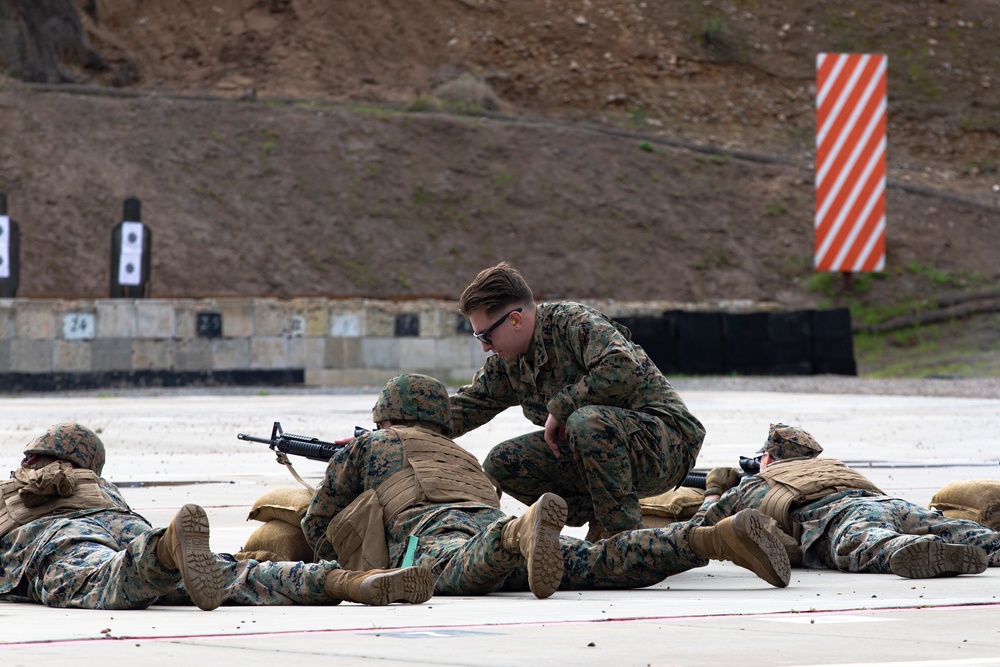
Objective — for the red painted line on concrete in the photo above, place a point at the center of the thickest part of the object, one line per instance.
(445, 628)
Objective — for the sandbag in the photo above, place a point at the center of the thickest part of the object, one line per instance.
(653, 521)
(258, 556)
(284, 504)
(973, 499)
(288, 542)
(670, 506)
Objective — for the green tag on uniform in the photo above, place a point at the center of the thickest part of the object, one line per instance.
(411, 550)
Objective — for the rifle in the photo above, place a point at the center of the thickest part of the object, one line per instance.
(284, 444)
(750, 465)
(296, 445)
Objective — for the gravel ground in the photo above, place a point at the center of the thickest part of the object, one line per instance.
(841, 384)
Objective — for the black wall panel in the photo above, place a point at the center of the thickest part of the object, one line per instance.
(833, 349)
(700, 348)
(803, 342)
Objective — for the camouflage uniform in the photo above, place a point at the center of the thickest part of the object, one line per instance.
(630, 435)
(461, 542)
(852, 530)
(462, 548)
(90, 559)
(264, 583)
(105, 558)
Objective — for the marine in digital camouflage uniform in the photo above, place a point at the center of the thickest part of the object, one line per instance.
(473, 548)
(842, 521)
(69, 539)
(614, 428)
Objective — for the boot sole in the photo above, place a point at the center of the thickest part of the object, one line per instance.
(926, 559)
(545, 560)
(410, 584)
(200, 571)
(771, 559)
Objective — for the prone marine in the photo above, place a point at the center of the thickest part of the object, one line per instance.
(68, 538)
(407, 492)
(835, 517)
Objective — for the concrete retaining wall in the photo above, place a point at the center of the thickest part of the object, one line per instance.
(50, 344)
(334, 342)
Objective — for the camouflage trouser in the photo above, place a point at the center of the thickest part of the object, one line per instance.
(612, 458)
(251, 582)
(94, 567)
(864, 537)
(261, 583)
(463, 551)
(630, 559)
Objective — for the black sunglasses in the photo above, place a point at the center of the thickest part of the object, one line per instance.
(484, 337)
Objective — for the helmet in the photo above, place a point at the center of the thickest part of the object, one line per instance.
(415, 398)
(70, 442)
(790, 442)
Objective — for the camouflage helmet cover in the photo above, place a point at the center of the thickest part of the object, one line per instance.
(413, 397)
(789, 442)
(70, 442)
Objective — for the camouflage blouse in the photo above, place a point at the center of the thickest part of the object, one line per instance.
(813, 518)
(25, 547)
(577, 357)
(362, 465)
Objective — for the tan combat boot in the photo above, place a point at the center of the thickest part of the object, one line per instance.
(185, 547)
(924, 559)
(747, 539)
(535, 535)
(259, 555)
(381, 587)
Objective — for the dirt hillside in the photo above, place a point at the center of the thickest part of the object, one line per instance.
(608, 148)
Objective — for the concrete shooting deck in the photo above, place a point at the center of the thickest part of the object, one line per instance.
(169, 448)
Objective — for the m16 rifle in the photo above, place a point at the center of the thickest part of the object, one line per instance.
(285, 444)
(750, 465)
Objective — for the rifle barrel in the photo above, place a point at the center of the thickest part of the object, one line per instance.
(253, 438)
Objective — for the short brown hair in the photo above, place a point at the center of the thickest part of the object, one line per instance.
(495, 288)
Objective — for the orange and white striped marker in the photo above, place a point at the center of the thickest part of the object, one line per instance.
(850, 161)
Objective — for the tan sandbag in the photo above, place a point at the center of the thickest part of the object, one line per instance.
(972, 499)
(258, 555)
(286, 541)
(671, 506)
(653, 521)
(284, 504)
